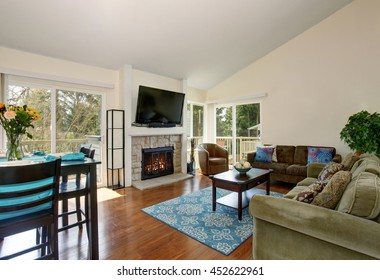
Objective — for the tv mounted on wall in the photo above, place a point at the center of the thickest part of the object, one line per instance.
(159, 107)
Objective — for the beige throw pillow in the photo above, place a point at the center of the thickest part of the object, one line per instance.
(333, 191)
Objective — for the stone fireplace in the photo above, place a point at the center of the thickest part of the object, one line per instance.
(154, 143)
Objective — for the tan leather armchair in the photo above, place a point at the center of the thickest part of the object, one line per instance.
(212, 158)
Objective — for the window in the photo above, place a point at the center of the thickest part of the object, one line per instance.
(238, 129)
(69, 116)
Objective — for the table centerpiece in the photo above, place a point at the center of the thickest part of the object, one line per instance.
(15, 120)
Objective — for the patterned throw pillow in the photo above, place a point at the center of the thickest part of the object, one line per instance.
(264, 154)
(274, 155)
(329, 170)
(333, 191)
(318, 154)
(310, 193)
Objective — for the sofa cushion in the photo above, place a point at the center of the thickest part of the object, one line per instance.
(300, 155)
(285, 153)
(297, 170)
(275, 166)
(377, 219)
(362, 196)
(307, 181)
(320, 154)
(308, 195)
(264, 154)
(329, 170)
(349, 160)
(333, 191)
(294, 191)
(367, 165)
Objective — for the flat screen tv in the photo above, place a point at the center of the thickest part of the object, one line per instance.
(159, 106)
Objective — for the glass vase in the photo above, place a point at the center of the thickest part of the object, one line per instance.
(14, 148)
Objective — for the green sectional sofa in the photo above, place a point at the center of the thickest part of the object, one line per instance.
(341, 220)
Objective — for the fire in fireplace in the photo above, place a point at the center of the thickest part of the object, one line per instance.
(157, 162)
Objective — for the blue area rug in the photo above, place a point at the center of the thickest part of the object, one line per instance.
(192, 215)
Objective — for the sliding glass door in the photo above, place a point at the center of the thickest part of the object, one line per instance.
(78, 116)
(224, 129)
(69, 117)
(238, 129)
(39, 99)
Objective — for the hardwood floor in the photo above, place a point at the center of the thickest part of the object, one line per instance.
(127, 233)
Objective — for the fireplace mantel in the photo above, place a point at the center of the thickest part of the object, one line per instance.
(145, 131)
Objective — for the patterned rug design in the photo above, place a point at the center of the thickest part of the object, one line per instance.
(192, 215)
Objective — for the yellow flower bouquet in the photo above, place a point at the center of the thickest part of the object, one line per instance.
(15, 120)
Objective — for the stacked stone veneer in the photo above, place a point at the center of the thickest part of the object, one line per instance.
(145, 142)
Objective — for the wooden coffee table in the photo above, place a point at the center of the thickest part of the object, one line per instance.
(240, 185)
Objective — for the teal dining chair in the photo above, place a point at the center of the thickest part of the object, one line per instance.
(74, 189)
(29, 200)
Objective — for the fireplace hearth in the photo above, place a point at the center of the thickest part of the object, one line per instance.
(157, 162)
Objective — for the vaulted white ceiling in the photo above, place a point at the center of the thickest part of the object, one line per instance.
(203, 41)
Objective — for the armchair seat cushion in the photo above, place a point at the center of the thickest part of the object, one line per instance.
(217, 161)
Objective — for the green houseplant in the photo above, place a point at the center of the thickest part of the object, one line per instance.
(362, 132)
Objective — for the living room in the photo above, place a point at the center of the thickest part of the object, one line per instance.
(307, 87)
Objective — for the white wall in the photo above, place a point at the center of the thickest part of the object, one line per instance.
(196, 95)
(43, 67)
(317, 80)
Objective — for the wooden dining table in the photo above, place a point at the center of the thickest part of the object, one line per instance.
(72, 167)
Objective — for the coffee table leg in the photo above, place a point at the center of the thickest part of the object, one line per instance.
(213, 197)
(268, 186)
(240, 203)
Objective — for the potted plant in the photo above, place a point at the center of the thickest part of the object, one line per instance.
(362, 132)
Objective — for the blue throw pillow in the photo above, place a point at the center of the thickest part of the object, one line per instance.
(320, 155)
(264, 154)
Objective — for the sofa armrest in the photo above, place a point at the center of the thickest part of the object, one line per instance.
(314, 168)
(251, 157)
(344, 230)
